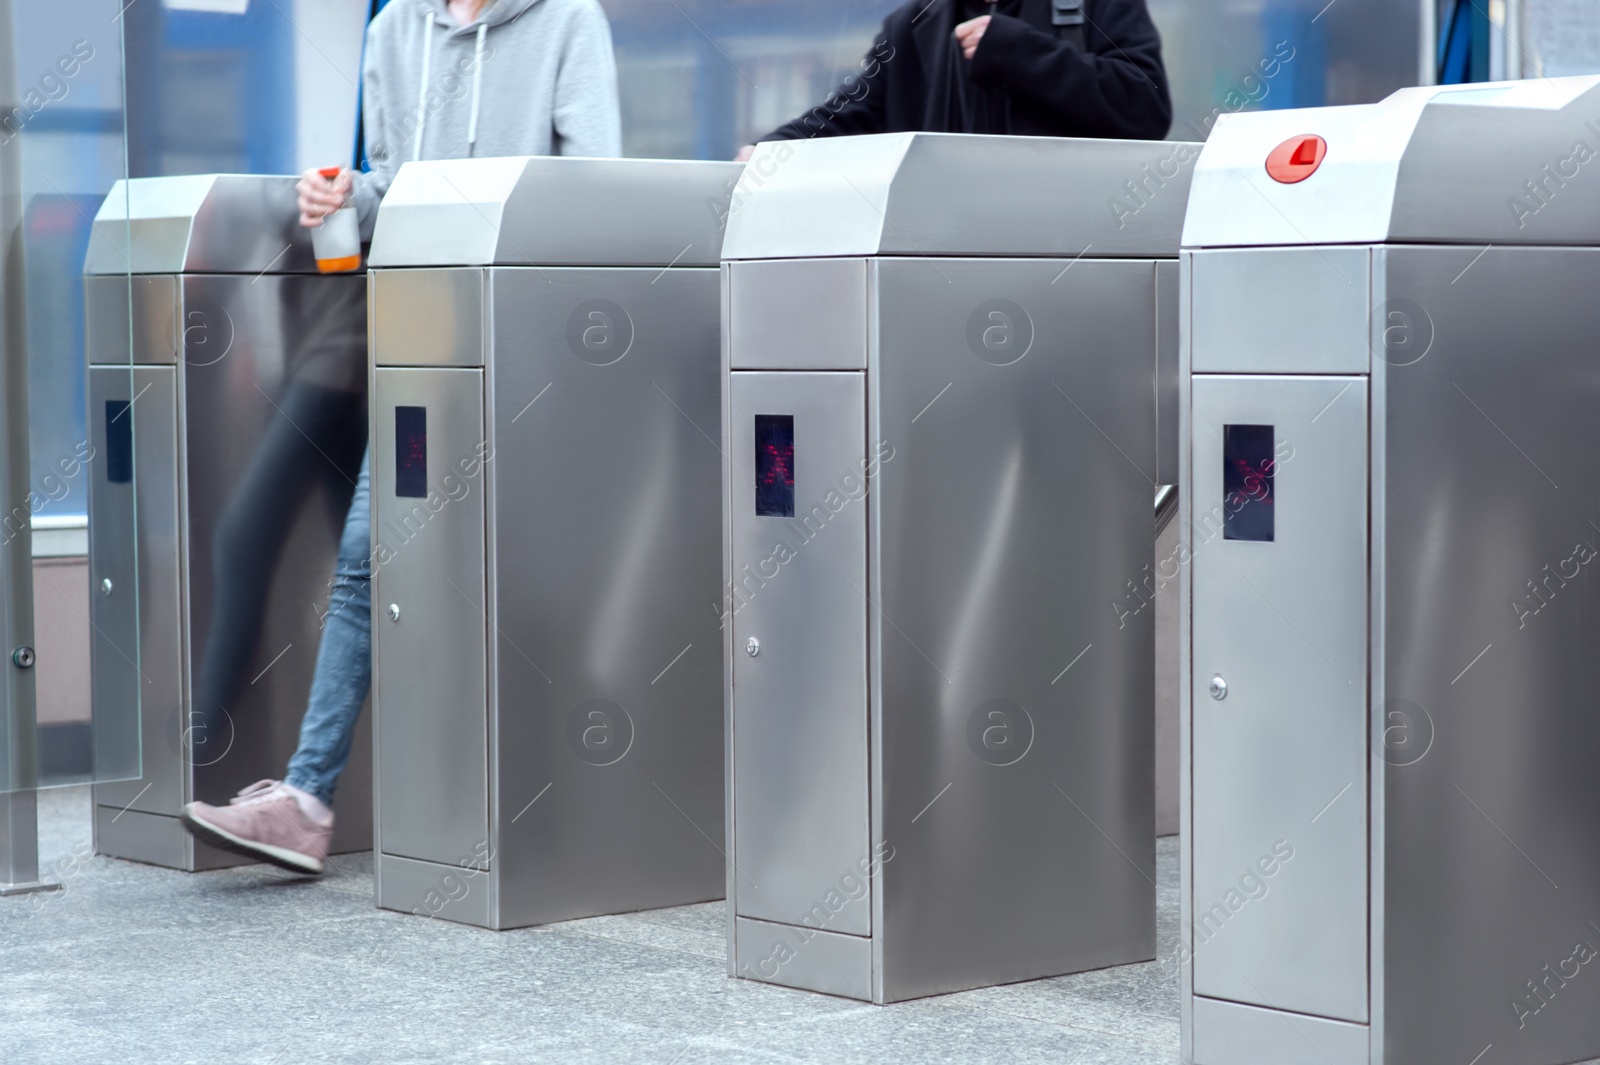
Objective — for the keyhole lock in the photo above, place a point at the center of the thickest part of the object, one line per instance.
(752, 647)
(105, 586)
(394, 611)
(1219, 688)
(23, 657)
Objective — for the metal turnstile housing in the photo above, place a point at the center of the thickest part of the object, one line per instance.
(545, 497)
(1388, 405)
(942, 434)
(228, 435)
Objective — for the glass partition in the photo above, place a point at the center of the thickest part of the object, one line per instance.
(225, 401)
(62, 154)
(138, 594)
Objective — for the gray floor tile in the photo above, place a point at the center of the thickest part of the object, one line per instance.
(931, 1031)
(645, 933)
(134, 964)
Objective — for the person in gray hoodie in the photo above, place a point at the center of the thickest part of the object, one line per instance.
(442, 79)
(458, 80)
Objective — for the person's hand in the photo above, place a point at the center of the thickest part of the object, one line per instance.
(968, 34)
(745, 153)
(320, 197)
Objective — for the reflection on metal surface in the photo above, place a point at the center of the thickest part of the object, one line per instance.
(1166, 507)
(976, 607)
(643, 525)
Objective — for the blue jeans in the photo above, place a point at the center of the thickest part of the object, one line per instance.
(344, 661)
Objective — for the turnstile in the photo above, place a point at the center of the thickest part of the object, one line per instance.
(240, 403)
(545, 495)
(941, 424)
(1391, 813)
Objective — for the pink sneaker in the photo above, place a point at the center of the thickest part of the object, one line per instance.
(263, 821)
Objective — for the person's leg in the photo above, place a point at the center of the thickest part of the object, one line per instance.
(344, 661)
(250, 535)
(289, 823)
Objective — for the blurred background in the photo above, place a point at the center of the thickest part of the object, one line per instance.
(164, 87)
(271, 86)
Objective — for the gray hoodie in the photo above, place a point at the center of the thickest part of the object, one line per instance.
(530, 77)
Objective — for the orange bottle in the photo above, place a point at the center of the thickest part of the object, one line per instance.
(337, 241)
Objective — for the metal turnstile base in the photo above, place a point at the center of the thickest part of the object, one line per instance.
(38, 886)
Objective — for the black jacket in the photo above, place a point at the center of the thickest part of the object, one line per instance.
(1037, 83)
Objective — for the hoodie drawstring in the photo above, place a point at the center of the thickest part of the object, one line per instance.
(477, 87)
(422, 94)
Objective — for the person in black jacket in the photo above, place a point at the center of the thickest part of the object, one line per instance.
(1043, 68)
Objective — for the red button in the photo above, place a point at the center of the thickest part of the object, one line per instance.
(1296, 158)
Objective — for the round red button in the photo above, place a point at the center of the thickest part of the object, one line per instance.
(1296, 158)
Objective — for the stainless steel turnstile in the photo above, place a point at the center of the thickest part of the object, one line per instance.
(240, 404)
(941, 424)
(545, 516)
(1391, 812)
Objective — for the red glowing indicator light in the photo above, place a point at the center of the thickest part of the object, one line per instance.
(779, 466)
(1296, 158)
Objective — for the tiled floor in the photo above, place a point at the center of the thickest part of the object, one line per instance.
(132, 964)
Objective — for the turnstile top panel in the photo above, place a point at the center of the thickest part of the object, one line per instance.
(1483, 163)
(554, 211)
(205, 223)
(954, 194)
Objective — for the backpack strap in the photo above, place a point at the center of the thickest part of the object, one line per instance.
(1068, 18)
